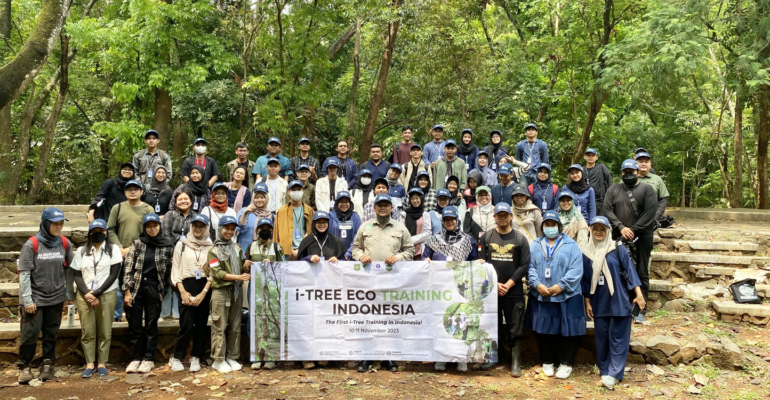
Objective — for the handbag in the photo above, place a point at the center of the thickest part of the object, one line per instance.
(745, 291)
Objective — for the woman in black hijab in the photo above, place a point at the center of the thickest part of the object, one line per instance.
(197, 187)
(320, 245)
(111, 193)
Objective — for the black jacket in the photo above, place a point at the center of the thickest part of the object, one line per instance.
(619, 210)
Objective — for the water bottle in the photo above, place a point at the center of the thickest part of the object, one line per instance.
(71, 315)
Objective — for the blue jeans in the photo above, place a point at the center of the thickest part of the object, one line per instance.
(119, 306)
(170, 305)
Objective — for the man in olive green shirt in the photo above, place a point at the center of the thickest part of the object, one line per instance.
(383, 238)
(644, 161)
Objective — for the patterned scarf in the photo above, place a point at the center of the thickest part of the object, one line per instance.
(455, 244)
(572, 221)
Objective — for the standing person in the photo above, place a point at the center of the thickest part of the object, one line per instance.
(190, 274)
(417, 221)
(308, 190)
(382, 239)
(197, 187)
(639, 151)
(260, 169)
(413, 167)
(555, 310)
(376, 165)
(544, 192)
(380, 187)
(481, 218)
(228, 272)
(97, 283)
(598, 176)
(319, 245)
(304, 158)
(456, 197)
(502, 192)
(508, 252)
(250, 215)
(176, 223)
(527, 217)
(146, 272)
(572, 221)
(363, 191)
(346, 167)
(209, 166)
(630, 206)
(532, 150)
(482, 165)
(292, 221)
(328, 186)
(159, 193)
(402, 150)
(217, 207)
(474, 181)
(238, 194)
(644, 161)
(496, 154)
(583, 194)
(449, 165)
(467, 150)
(43, 263)
(278, 187)
(345, 222)
(241, 161)
(110, 193)
(608, 276)
(395, 189)
(424, 184)
(147, 160)
(434, 149)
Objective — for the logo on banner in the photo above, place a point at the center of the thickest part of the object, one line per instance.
(378, 266)
(356, 267)
(388, 268)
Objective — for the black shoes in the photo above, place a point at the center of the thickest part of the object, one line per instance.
(363, 366)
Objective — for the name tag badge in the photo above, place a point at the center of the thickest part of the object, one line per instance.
(332, 205)
(195, 205)
(578, 208)
(449, 258)
(343, 234)
(157, 208)
(323, 258)
(547, 272)
(529, 160)
(297, 234)
(181, 237)
(149, 174)
(494, 166)
(545, 205)
(601, 280)
(198, 274)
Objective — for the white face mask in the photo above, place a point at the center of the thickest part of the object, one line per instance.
(200, 149)
(366, 181)
(296, 195)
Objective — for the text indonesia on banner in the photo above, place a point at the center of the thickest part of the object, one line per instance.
(408, 311)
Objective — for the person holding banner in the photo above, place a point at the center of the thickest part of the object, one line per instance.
(556, 311)
(508, 252)
(382, 239)
(380, 187)
(481, 218)
(344, 222)
(417, 221)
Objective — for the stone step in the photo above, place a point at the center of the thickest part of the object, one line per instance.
(74, 208)
(706, 272)
(730, 311)
(8, 262)
(715, 246)
(697, 258)
(730, 214)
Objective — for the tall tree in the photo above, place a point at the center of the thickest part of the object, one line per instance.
(6, 136)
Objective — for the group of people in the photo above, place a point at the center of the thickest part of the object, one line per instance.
(186, 252)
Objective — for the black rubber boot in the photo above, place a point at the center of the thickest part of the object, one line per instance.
(516, 363)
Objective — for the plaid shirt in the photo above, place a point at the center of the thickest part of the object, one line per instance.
(296, 162)
(430, 200)
(132, 267)
(369, 212)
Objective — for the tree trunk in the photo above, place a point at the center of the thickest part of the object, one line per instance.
(546, 99)
(354, 86)
(180, 144)
(762, 147)
(344, 38)
(382, 81)
(597, 101)
(162, 122)
(16, 75)
(738, 153)
(6, 136)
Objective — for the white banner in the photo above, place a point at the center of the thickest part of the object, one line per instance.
(409, 311)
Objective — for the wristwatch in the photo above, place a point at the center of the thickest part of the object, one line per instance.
(205, 290)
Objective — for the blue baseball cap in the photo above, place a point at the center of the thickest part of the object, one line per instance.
(495, 132)
(468, 130)
(396, 166)
(320, 215)
(274, 140)
(53, 214)
(640, 149)
(200, 140)
(629, 164)
(575, 166)
(551, 215)
(218, 185)
(543, 165)
(128, 164)
(443, 192)
(343, 194)
(365, 172)
(437, 126)
(134, 182)
(332, 162)
(423, 173)
(591, 150)
(199, 218)
(97, 223)
(416, 146)
(149, 132)
(450, 142)
(503, 207)
(415, 190)
(566, 193)
(295, 183)
(261, 187)
(484, 153)
(302, 140)
(530, 125)
(273, 159)
(601, 220)
(265, 221)
(303, 166)
(150, 218)
(227, 220)
(383, 197)
(450, 211)
(643, 154)
(505, 169)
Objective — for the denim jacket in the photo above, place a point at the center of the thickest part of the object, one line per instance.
(566, 268)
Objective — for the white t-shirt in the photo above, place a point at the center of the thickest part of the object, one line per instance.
(273, 184)
(215, 216)
(96, 267)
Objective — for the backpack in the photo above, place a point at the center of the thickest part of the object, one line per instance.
(36, 244)
(531, 188)
(162, 154)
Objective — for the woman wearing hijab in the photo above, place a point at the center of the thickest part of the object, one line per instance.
(43, 266)
(544, 193)
(345, 222)
(238, 194)
(111, 192)
(467, 150)
(495, 151)
(584, 196)
(608, 276)
(429, 194)
(197, 187)
(572, 221)
(217, 207)
(363, 191)
(527, 217)
(96, 266)
(417, 221)
(555, 309)
(190, 275)
(249, 216)
(488, 175)
(146, 271)
(481, 218)
(474, 181)
(158, 195)
(455, 198)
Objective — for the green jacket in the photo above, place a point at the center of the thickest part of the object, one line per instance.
(458, 170)
(221, 267)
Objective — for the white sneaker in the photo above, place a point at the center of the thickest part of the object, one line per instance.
(563, 372)
(440, 366)
(234, 365)
(146, 366)
(269, 365)
(133, 367)
(548, 370)
(256, 365)
(175, 364)
(609, 382)
(221, 366)
(462, 367)
(195, 364)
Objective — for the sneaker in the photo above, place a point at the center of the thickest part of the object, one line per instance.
(221, 366)
(563, 372)
(440, 366)
(548, 370)
(175, 364)
(46, 371)
(146, 366)
(25, 375)
(639, 319)
(195, 364)
(308, 365)
(133, 367)
(269, 365)
(234, 365)
(609, 382)
(462, 367)
(257, 365)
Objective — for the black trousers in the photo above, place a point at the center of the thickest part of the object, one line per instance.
(512, 327)
(46, 319)
(146, 306)
(599, 208)
(557, 349)
(643, 247)
(193, 322)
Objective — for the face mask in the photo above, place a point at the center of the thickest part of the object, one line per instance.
(366, 181)
(98, 237)
(200, 149)
(296, 195)
(265, 234)
(630, 179)
(551, 233)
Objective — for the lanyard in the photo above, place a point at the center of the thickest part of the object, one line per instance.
(197, 258)
(319, 243)
(552, 250)
(531, 148)
(96, 263)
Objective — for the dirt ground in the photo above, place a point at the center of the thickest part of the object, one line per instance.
(419, 380)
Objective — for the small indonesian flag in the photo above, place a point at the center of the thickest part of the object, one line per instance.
(214, 263)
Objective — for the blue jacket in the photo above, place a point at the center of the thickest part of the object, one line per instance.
(502, 194)
(489, 175)
(432, 151)
(586, 201)
(619, 303)
(435, 221)
(246, 232)
(378, 171)
(260, 166)
(350, 167)
(347, 241)
(533, 154)
(472, 256)
(566, 268)
(539, 196)
(470, 160)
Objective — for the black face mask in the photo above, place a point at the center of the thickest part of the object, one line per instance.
(630, 179)
(265, 234)
(98, 237)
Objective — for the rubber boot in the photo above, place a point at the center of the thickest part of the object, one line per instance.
(516, 363)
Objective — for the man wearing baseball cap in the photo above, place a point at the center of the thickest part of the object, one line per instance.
(414, 166)
(598, 177)
(146, 160)
(273, 152)
(502, 192)
(304, 158)
(292, 221)
(209, 164)
(450, 165)
(642, 150)
(532, 150)
(630, 206)
(434, 150)
(645, 176)
(241, 160)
